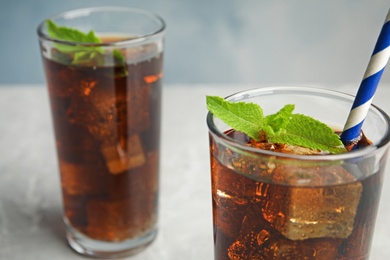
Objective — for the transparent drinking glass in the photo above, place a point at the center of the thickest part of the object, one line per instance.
(277, 205)
(105, 98)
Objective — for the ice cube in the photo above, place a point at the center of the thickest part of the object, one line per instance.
(111, 113)
(82, 179)
(84, 113)
(258, 240)
(137, 182)
(232, 193)
(100, 112)
(119, 158)
(117, 220)
(93, 107)
(253, 237)
(312, 212)
(103, 98)
(227, 215)
(126, 110)
(228, 183)
(79, 147)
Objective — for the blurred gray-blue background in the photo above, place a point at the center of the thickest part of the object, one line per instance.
(224, 41)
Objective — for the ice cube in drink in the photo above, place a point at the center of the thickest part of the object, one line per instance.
(121, 158)
(305, 212)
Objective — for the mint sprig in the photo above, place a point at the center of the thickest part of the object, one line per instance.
(283, 127)
(244, 117)
(71, 35)
(80, 53)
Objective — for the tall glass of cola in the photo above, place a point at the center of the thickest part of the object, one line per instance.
(282, 202)
(103, 69)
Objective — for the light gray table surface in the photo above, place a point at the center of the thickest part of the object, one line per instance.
(30, 202)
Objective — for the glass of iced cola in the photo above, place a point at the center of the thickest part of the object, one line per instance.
(103, 69)
(285, 202)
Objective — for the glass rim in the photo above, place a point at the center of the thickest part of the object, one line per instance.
(86, 11)
(213, 129)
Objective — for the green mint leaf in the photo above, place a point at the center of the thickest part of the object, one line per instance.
(241, 116)
(80, 54)
(72, 35)
(276, 123)
(69, 34)
(283, 127)
(119, 57)
(85, 57)
(308, 132)
(120, 60)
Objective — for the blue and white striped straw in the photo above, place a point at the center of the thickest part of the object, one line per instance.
(368, 86)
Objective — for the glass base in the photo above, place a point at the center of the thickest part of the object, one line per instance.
(102, 249)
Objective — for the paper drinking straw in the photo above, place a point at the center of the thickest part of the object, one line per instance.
(368, 86)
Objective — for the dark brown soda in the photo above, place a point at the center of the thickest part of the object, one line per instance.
(249, 211)
(107, 132)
